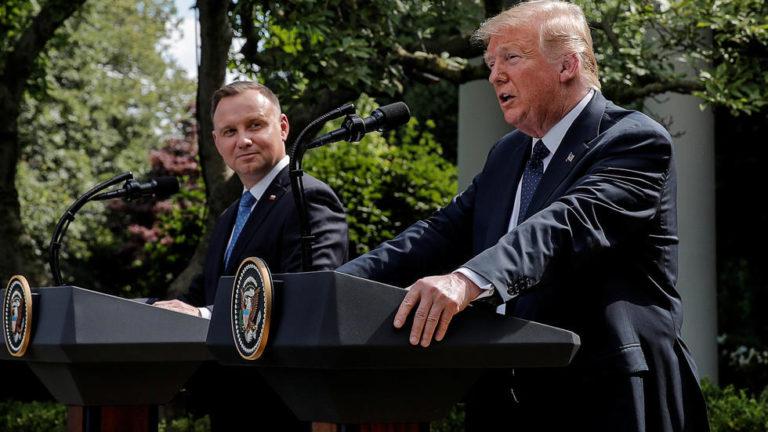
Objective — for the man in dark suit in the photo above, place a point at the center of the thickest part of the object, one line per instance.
(572, 222)
(250, 133)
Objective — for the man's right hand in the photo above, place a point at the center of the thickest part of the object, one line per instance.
(178, 306)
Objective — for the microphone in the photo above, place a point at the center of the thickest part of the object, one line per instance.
(161, 188)
(354, 128)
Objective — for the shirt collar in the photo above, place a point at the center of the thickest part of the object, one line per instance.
(554, 137)
(261, 186)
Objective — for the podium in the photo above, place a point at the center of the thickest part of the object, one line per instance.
(334, 356)
(94, 349)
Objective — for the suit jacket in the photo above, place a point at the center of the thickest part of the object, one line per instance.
(597, 254)
(272, 234)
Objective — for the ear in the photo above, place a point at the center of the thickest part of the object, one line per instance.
(570, 67)
(285, 127)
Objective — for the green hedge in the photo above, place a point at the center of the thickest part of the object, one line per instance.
(32, 416)
(734, 410)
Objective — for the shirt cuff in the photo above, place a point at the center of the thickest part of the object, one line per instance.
(205, 312)
(484, 284)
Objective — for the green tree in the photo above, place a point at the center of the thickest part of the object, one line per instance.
(319, 57)
(385, 182)
(25, 29)
(96, 110)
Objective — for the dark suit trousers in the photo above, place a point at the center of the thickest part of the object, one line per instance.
(561, 400)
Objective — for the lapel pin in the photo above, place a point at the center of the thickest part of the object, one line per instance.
(570, 157)
(272, 197)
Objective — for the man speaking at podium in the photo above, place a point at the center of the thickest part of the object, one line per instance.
(250, 133)
(572, 222)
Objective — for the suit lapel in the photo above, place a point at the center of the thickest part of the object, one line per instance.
(263, 207)
(509, 176)
(220, 237)
(573, 147)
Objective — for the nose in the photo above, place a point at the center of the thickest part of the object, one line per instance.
(497, 76)
(244, 140)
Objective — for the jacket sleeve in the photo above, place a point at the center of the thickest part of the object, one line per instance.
(434, 245)
(620, 193)
(329, 227)
(195, 296)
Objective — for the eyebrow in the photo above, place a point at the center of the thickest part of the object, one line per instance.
(254, 117)
(506, 48)
(502, 49)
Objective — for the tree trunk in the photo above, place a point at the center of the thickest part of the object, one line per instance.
(221, 187)
(10, 214)
(15, 69)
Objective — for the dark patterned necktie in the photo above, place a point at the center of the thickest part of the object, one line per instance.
(243, 211)
(534, 170)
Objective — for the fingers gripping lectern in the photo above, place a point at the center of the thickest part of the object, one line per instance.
(332, 353)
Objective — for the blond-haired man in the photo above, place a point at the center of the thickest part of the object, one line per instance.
(572, 222)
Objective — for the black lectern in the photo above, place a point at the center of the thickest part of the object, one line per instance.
(334, 356)
(94, 349)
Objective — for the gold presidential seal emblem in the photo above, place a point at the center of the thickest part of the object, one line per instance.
(17, 316)
(251, 308)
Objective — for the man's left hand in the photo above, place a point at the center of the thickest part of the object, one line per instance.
(439, 298)
(178, 306)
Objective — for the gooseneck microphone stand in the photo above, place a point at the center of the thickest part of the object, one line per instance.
(297, 182)
(69, 216)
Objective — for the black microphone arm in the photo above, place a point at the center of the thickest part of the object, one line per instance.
(161, 187)
(297, 182)
(353, 129)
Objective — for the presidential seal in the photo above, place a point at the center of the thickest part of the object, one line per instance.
(251, 308)
(17, 316)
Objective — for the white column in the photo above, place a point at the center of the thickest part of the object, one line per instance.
(693, 132)
(481, 124)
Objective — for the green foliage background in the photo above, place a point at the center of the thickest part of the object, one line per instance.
(385, 182)
(105, 96)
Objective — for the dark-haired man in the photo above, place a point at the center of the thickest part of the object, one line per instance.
(250, 133)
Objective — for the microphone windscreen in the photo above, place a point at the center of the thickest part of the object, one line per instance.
(166, 186)
(395, 114)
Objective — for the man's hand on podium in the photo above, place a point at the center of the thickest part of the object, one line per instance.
(439, 298)
(178, 306)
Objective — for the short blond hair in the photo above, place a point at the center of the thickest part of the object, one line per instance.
(563, 30)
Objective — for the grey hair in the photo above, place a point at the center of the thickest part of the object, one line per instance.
(563, 29)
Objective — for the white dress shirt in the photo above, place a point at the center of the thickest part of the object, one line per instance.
(551, 140)
(257, 191)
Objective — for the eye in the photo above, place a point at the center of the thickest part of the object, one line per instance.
(254, 125)
(228, 132)
(510, 56)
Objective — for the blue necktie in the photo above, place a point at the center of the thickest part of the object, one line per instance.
(243, 211)
(534, 170)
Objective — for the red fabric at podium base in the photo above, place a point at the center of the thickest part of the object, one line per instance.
(140, 418)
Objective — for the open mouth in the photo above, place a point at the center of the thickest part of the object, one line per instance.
(505, 97)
